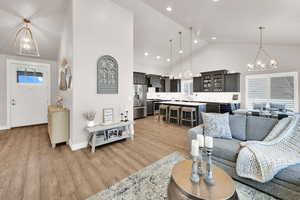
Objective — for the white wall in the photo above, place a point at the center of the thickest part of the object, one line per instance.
(3, 86)
(236, 56)
(148, 69)
(101, 27)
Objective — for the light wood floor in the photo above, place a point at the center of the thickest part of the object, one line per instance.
(31, 169)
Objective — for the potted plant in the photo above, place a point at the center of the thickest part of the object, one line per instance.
(90, 117)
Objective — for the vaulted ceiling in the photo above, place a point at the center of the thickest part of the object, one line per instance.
(237, 20)
(228, 20)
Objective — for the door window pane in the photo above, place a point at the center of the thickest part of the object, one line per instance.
(30, 77)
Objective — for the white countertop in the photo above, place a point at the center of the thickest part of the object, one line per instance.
(182, 103)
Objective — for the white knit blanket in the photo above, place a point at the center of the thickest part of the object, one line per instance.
(262, 160)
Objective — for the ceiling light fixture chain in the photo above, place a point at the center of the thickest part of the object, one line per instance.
(180, 43)
(171, 51)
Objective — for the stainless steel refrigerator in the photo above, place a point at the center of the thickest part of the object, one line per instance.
(140, 101)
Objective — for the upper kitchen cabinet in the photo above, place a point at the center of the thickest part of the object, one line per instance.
(232, 82)
(175, 85)
(213, 81)
(217, 81)
(197, 84)
(139, 78)
(154, 81)
(165, 84)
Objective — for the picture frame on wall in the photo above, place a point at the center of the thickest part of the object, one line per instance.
(107, 75)
(108, 115)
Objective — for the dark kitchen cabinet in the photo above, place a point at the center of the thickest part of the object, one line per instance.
(150, 107)
(213, 81)
(175, 85)
(232, 82)
(217, 81)
(154, 81)
(197, 84)
(165, 84)
(212, 107)
(139, 78)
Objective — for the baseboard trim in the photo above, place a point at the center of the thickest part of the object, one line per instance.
(75, 147)
(2, 128)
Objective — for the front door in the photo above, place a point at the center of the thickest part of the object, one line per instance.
(29, 93)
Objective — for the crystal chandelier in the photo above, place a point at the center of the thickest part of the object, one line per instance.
(24, 40)
(263, 61)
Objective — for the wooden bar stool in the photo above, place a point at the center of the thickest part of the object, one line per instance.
(174, 113)
(188, 114)
(163, 112)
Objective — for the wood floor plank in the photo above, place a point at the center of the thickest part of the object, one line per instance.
(31, 169)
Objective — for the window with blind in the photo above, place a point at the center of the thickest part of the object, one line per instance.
(276, 88)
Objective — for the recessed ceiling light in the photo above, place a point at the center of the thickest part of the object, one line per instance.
(146, 54)
(215, 0)
(196, 41)
(168, 60)
(180, 51)
(169, 9)
(213, 38)
(157, 57)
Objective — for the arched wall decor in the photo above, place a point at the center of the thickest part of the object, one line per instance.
(107, 75)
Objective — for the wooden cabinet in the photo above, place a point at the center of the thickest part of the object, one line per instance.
(139, 78)
(154, 81)
(197, 84)
(175, 85)
(165, 84)
(58, 125)
(214, 81)
(232, 82)
(217, 81)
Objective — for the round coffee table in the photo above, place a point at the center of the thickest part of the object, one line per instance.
(181, 187)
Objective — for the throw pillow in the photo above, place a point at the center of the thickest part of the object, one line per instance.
(217, 125)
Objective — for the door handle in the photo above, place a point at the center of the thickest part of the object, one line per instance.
(13, 102)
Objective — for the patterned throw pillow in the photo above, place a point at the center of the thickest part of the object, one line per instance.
(217, 125)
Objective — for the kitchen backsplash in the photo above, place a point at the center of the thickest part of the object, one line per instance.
(224, 97)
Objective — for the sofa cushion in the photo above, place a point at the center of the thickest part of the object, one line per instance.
(216, 125)
(237, 125)
(258, 128)
(290, 174)
(226, 149)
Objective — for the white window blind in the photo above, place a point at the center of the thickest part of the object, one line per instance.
(272, 88)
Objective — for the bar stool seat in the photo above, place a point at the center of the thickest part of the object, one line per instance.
(163, 112)
(174, 113)
(188, 114)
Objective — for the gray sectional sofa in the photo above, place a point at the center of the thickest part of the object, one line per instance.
(285, 185)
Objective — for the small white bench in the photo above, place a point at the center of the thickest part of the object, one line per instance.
(94, 131)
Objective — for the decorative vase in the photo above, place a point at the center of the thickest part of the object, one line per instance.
(90, 123)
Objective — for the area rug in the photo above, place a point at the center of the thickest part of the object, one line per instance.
(151, 183)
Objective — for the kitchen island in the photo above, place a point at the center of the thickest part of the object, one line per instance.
(200, 107)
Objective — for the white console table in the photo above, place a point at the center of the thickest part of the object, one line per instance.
(95, 141)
